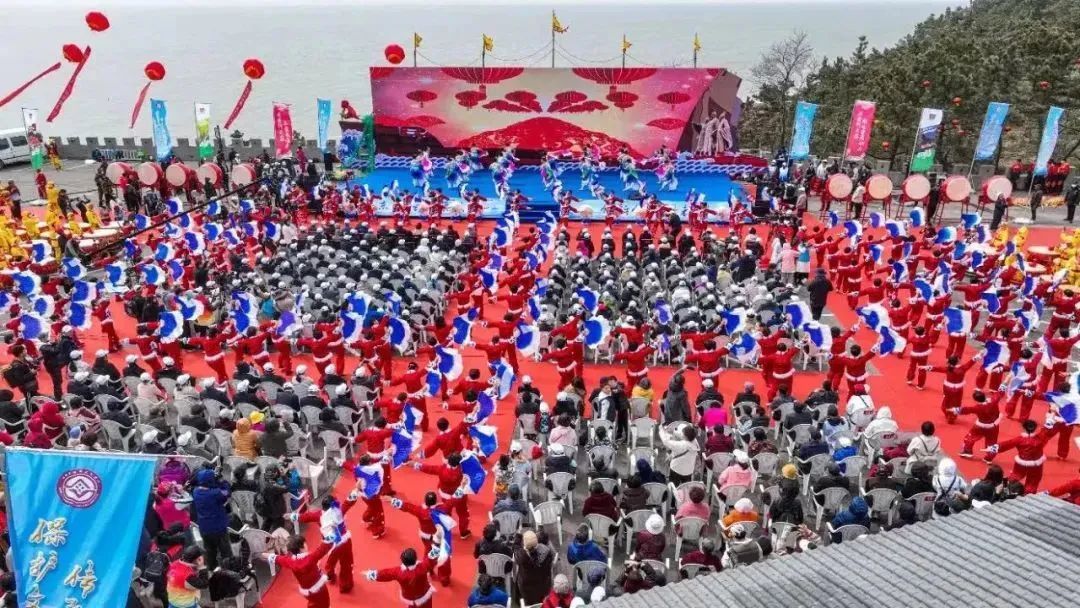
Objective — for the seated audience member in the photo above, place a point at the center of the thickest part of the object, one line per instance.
(832, 478)
(717, 442)
(788, 508)
(487, 593)
(919, 482)
(761, 443)
(651, 542)
(743, 511)
(634, 496)
(924, 447)
(707, 555)
(739, 473)
(694, 505)
(601, 502)
(512, 503)
(584, 548)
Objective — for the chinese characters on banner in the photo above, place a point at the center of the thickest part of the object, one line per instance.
(990, 134)
(34, 138)
(926, 140)
(804, 126)
(162, 138)
(1049, 139)
(323, 126)
(283, 131)
(862, 121)
(75, 523)
(202, 131)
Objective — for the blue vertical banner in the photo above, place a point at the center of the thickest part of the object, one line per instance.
(162, 139)
(804, 126)
(324, 122)
(990, 135)
(1049, 139)
(75, 523)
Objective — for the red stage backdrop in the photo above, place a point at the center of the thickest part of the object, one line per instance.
(554, 109)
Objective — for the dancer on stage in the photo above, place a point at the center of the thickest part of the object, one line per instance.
(666, 174)
(457, 172)
(420, 170)
(331, 520)
(549, 174)
(305, 567)
(588, 172)
(412, 576)
(475, 158)
(426, 516)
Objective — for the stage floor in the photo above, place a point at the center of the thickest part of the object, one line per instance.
(717, 188)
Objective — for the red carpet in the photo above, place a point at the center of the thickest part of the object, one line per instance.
(910, 408)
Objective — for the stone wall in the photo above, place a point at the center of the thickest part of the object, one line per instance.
(130, 148)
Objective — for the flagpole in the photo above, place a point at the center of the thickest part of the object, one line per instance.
(624, 50)
(414, 50)
(552, 38)
(483, 53)
(695, 49)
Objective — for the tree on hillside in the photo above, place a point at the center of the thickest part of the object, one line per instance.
(780, 69)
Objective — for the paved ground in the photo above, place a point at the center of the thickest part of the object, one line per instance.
(78, 177)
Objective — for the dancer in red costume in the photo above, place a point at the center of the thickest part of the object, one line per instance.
(412, 576)
(331, 517)
(987, 421)
(305, 567)
(425, 517)
(451, 490)
(952, 388)
(1029, 459)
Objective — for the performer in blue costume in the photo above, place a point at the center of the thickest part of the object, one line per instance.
(588, 172)
(420, 169)
(549, 175)
(666, 174)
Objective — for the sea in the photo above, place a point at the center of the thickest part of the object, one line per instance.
(323, 49)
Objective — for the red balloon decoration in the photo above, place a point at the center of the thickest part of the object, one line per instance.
(253, 69)
(154, 70)
(394, 53)
(957, 101)
(73, 53)
(1044, 85)
(97, 21)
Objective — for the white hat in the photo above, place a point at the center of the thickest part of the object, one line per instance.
(145, 377)
(207, 382)
(655, 524)
(557, 449)
(312, 389)
(102, 379)
(66, 329)
(741, 456)
(707, 383)
(150, 436)
(81, 376)
(101, 353)
(301, 370)
(268, 367)
(242, 386)
(744, 505)
(526, 380)
(131, 359)
(287, 386)
(845, 442)
(341, 389)
(168, 361)
(183, 439)
(515, 447)
(183, 379)
(330, 369)
(76, 354)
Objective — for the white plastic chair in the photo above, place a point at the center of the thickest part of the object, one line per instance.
(549, 514)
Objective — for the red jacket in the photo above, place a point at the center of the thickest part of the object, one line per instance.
(987, 413)
(449, 478)
(1069, 491)
(636, 360)
(708, 362)
(954, 376)
(414, 381)
(305, 567)
(1029, 448)
(415, 588)
(374, 440)
(449, 442)
(782, 368)
(494, 352)
(855, 367)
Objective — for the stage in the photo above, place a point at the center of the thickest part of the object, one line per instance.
(701, 177)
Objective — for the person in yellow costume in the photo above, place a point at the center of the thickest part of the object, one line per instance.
(74, 227)
(30, 225)
(93, 219)
(53, 218)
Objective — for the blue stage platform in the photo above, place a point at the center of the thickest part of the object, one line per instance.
(712, 181)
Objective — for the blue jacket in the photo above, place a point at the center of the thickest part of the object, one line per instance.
(210, 499)
(497, 596)
(587, 551)
(856, 513)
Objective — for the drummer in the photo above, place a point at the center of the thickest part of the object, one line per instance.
(1001, 207)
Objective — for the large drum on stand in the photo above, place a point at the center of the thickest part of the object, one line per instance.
(956, 189)
(117, 170)
(839, 186)
(150, 174)
(243, 174)
(179, 175)
(212, 172)
(996, 186)
(915, 187)
(879, 187)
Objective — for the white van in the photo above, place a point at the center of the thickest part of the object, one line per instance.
(13, 147)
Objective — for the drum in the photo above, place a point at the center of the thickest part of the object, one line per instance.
(956, 189)
(212, 172)
(116, 170)
(915, 187)
(242, 174)
(839, 186)
(103, 233)
(879, 187)
(997, 186)
(150, 173)
(178, 175)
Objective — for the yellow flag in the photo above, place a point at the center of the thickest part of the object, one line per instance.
(556, 26)
(625, 44)
(697, 43)
(489, 44)
(416, 40)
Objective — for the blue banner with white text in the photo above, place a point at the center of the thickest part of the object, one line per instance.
(162, 139)
(804, 126)
(990, 135)
(324, 122)
(75, 523)
(1049, 139)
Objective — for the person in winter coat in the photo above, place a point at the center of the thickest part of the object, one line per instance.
(675, 403)
(532, 571)
(584, 548)
(634, 496)
(487, 593)
(211, 499)
(562, 593)
(651, 542)
(857, 513)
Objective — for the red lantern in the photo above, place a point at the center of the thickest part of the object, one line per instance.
(955, 122)
(926, 84)
(97, 21)
(394, 53)
(885, 145)
(957, 101)
(1044, 85)
(1008, 128)
(253, 69)
(154, 70)
(73, 53)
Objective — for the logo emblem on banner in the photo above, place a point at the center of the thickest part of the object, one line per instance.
(79, 488)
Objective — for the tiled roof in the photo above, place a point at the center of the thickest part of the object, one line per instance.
(1020, 552)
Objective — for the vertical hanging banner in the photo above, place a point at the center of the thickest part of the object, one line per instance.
(862, 122)
(202, 131)
(162, 138)
(323, 126)
(75, 521)
(282, 130)
(804, 126)
(922, 157)
(990, 135)
(1049, 139)
(33, 137)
